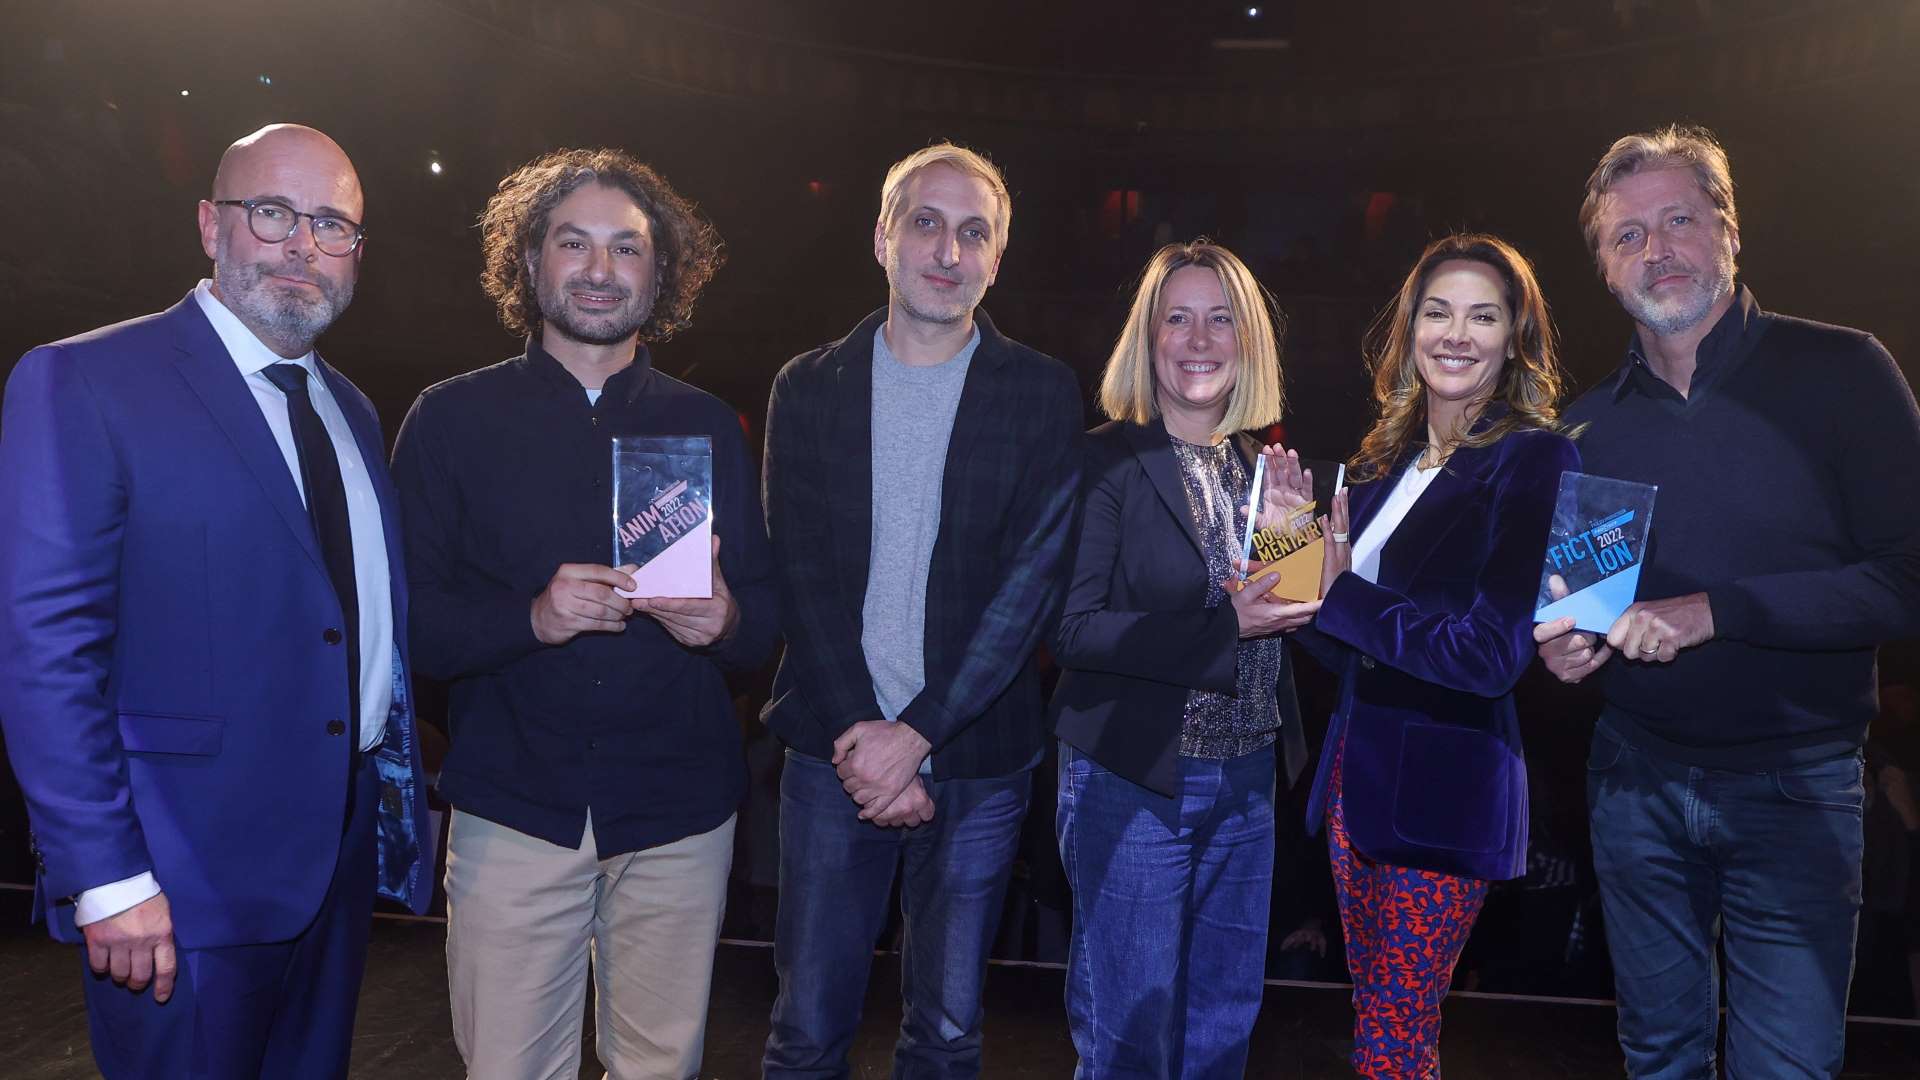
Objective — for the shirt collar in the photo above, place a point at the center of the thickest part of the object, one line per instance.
(623, 385)
(249, 353)
(1730, 340)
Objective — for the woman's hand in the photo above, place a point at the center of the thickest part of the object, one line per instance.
(1259, 614)
(1286, 486)
(1338, 557)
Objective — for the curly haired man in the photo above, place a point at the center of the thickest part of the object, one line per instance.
(595, 762)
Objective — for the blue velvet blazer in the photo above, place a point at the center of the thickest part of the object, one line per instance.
(1434, 776)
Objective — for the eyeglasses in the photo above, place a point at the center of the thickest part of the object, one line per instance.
(274, 222)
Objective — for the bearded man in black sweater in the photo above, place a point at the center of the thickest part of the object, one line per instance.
(1725, 778)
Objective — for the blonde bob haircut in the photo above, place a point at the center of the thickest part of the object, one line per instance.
(1530, 383)
(893, 192)
(1127, 390)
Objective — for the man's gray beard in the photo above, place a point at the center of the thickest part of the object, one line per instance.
(961, 311)
(609, 331)
(1683, 313)
(288, 321)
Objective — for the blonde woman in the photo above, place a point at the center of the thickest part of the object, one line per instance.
(1175, 689)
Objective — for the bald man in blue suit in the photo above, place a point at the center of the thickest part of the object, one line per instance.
(205, 689)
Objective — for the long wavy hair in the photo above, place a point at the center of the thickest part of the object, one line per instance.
(514, 225)
(1530, 384)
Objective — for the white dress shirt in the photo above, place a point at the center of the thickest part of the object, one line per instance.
(1366, 546)
(370, 570)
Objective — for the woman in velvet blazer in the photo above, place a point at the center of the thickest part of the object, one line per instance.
(1427, 618)
(1175, 706)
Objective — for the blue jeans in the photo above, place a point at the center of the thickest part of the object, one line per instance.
(1766, 863)
(836, 876)
(1170, 896)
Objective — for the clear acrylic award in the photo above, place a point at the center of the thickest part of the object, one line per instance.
(1594, 550)
(663, 514)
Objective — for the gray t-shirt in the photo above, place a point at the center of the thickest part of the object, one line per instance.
(913, 410)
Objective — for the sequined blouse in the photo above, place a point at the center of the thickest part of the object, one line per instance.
(1220, 726)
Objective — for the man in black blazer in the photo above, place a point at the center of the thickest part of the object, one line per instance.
(920, 484)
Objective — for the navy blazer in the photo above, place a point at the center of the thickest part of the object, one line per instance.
(1433, 774)
(1136, 637)
(170, 693)
(993, 589)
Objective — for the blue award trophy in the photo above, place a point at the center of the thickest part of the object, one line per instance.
(1594, 550)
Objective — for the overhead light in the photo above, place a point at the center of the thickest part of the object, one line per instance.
(185, 93)
(266, 80)
(1253, 13)
(434, 168)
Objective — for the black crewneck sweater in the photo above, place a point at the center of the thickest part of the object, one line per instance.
(1787, 494)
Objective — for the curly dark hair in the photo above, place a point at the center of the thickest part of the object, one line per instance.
(514, 226)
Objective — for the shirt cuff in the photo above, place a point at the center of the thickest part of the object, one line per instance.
(106, 901)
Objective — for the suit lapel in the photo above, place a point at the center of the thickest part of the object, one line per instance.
(1363, 501)
(852, 426)
(205, 364)
(366, 436)
(1438, 509)
(979, 396)
(1154, 449)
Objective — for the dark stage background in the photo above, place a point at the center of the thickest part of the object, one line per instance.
(1326, 143)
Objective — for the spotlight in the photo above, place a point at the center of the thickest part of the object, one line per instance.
(434, 168)
(1253, 13)
(266, 80)
(185, 93)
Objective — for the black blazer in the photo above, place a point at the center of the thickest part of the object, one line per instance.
(1135, 637)
(999, 562)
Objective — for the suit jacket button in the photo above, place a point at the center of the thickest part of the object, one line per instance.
(336, 727)
(1367, 662)
(330, 636)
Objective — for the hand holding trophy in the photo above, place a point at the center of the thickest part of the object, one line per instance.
(1284, 550)
(1282, 484)
(1339, 553)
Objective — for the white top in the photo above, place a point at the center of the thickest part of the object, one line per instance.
(1393, 509)
(370, 570)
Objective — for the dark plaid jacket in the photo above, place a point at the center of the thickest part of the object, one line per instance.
(999, 563)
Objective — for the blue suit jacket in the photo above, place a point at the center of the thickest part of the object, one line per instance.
(167, 688)
(1428, 657)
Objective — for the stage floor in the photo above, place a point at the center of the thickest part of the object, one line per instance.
(404, 1031)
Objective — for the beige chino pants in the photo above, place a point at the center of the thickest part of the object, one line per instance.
(527, 920)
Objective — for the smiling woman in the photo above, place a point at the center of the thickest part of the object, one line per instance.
(1528, 379)
(1175, 705)
(1427, 621)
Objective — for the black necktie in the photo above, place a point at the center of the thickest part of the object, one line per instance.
(327, 508)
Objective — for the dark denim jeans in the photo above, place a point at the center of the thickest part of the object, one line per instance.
(1768, 864)
(1170, 896)
(836, 876)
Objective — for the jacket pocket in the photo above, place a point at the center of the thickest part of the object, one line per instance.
(171, 733)
(1452, 792)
